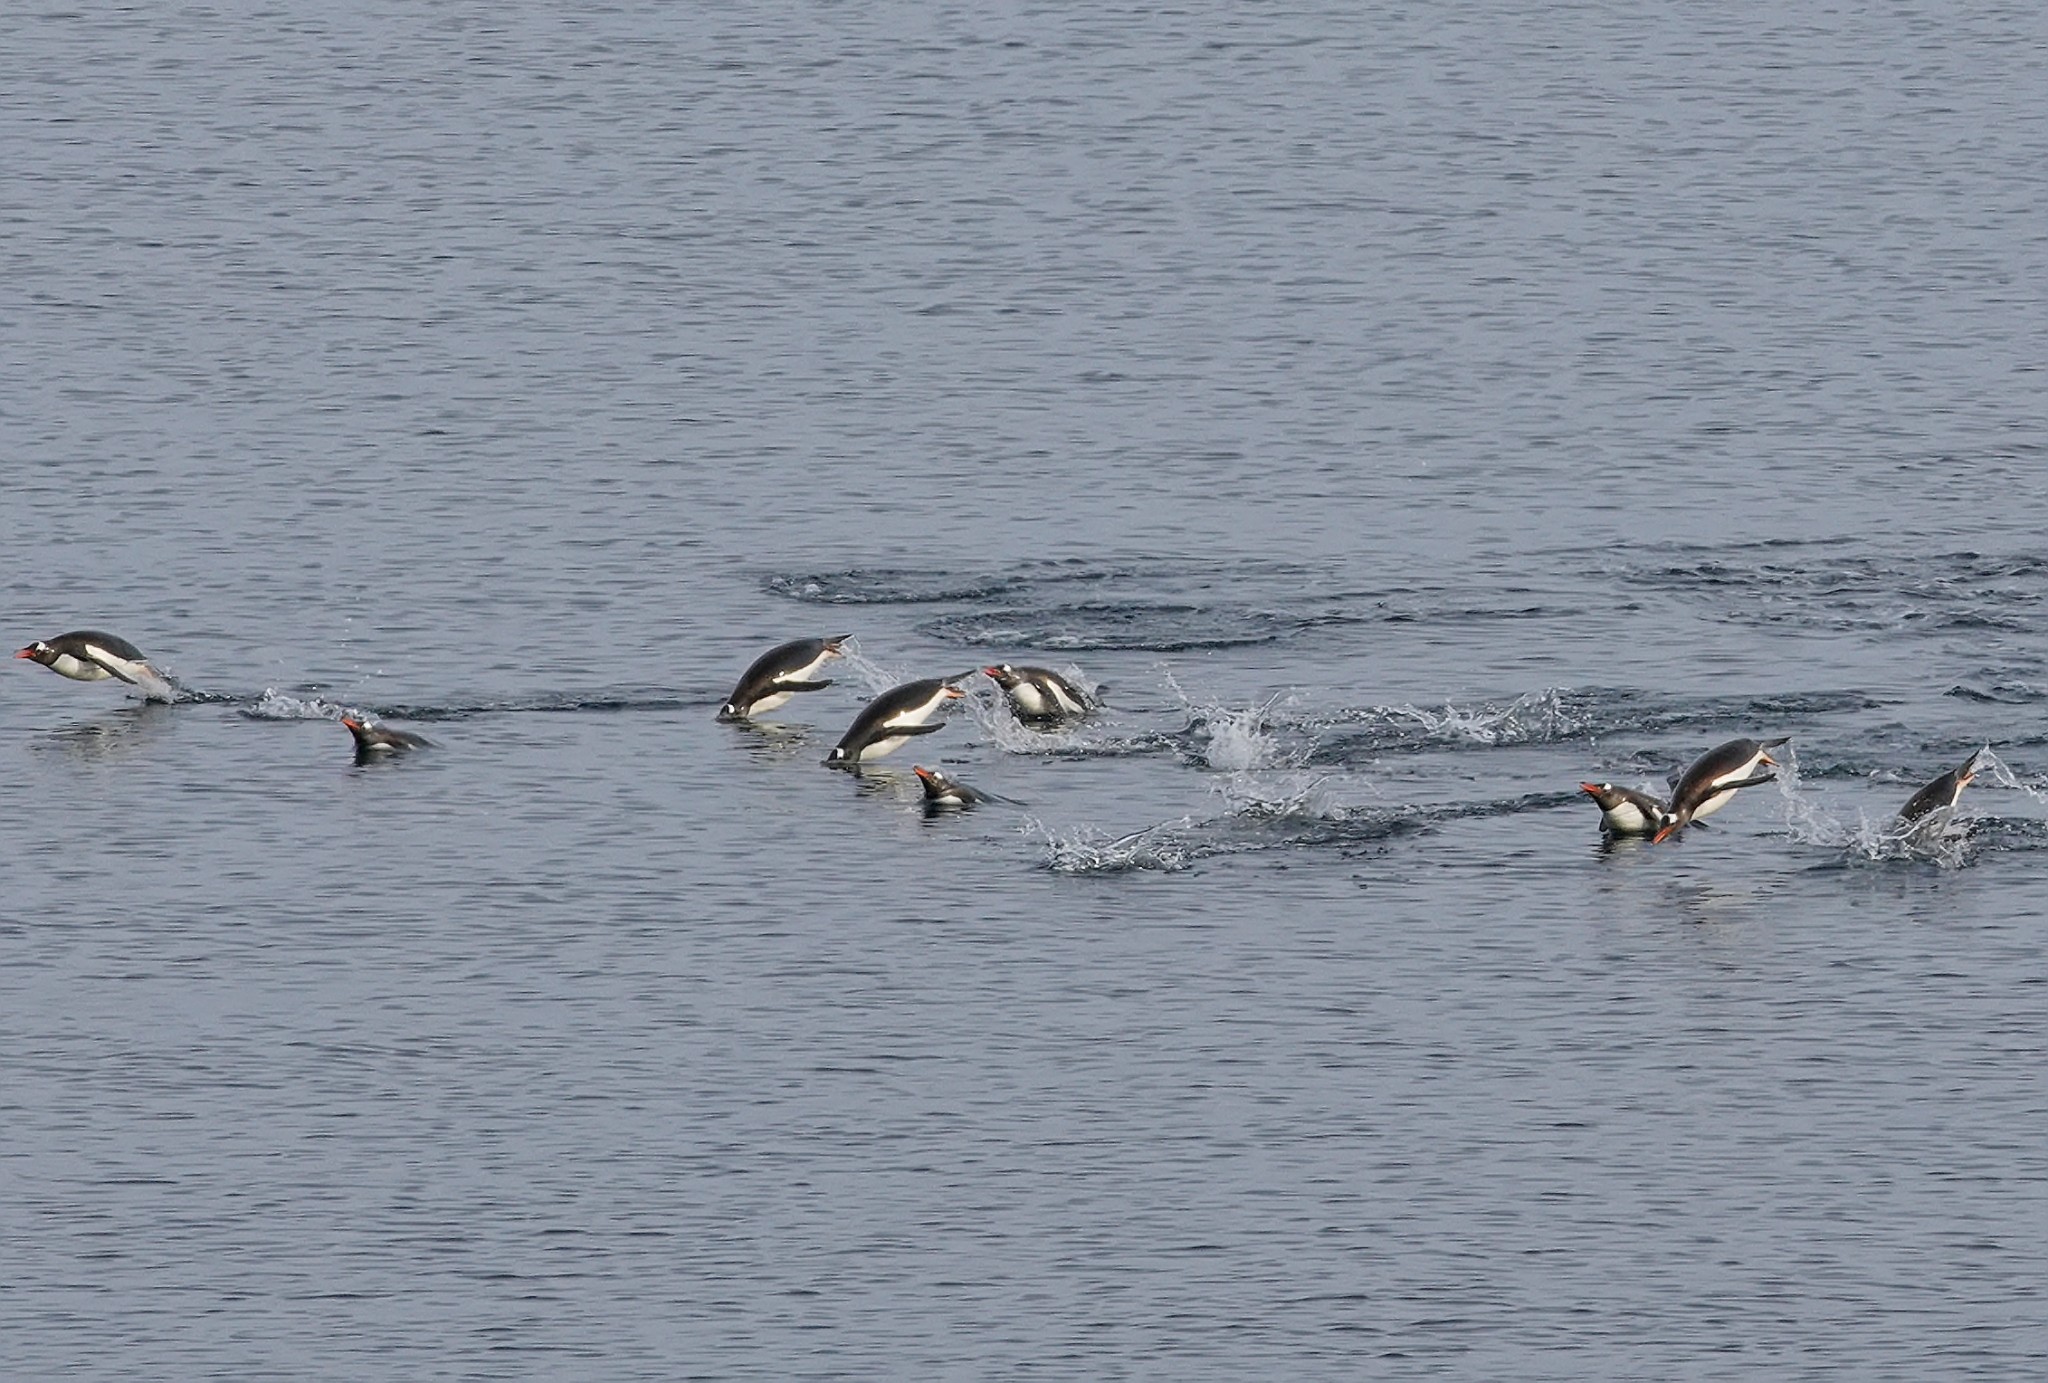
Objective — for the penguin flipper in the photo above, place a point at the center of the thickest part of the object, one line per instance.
(803, 686)
(1751, 782)
(917, 729)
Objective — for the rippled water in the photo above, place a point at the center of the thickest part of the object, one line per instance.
(1402, 414)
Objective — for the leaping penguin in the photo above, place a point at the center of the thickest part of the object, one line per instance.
(1711, 781)
(891, 719)
(779, 674)
(87, 655)
(1038, 693)
(1929, 810)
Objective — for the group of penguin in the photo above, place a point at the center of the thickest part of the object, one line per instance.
(1714, 778)
(1040, 697)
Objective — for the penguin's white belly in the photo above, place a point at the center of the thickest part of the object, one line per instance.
(77, 669)
(1628, 819)
(883, 744)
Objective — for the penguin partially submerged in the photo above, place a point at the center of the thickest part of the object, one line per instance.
(1711, 781)
(780, 674)
(1039, 693)
(889, 722)
(88, 655)
(947, 794)
(373, 741)
(1626, 812)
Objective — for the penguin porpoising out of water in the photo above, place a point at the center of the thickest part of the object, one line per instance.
(1038, 693)
(1711, 781)
(891, 719)
(1626, 812)
(87, 655)
(779, 674)
(1929, 810)
(372, 740)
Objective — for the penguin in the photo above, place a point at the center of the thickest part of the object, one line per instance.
(1928, 811)
(944, 794)
(87, 655)
(1707, 785)
(1037, 693)
(372, 740)
(887, 722)
(779, 674)
(1626, 812)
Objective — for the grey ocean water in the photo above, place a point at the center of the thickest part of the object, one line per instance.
(1405, 411)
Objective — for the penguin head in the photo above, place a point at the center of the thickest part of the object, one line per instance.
(38, 652)
(1001, 674)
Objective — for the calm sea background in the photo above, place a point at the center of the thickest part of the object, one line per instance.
(1405, 412)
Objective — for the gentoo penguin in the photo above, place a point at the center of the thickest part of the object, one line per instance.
(379, 739)
(779, 674)
(1038, 693)
(942, 793)
(1626, 812)
(1706, 787)
(1929, 809)
(86, 655)
(888, 721)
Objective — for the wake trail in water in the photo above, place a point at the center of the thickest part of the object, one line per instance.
(1304, 821)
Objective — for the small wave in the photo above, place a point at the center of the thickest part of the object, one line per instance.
(886, 586)
(2001, 694)
(1152, 627)
(1820, 588)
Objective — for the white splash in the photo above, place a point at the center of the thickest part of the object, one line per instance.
(1942, 841)
(277, 705)
(1989, 765)
(1085, 850)
(1537, 715)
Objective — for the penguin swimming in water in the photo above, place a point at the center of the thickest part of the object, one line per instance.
(891, 719)
(1711, 781)
(779, 674)
(1038, 693)
(87, 655)
(1928, 812)
(372, 740)
(1626, 812)
(946, 794)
